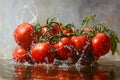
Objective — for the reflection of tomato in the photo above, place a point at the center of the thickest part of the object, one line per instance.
(41, 73)
(38, 72)
(101, 75)
(64, 75)
(20, 71)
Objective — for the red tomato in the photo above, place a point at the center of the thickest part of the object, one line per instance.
(101, 44)
(44, 31)
(83, 46)
(19, 54)
(79, 42)
(23, 35)
(66, 31)
(41, 51)
(51, 57)
(55, 30)
(64, 48)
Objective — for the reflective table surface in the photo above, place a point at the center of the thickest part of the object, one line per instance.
(10, 70)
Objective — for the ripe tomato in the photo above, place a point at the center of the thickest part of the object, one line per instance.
(55, 30)
(19, 54)
(78, 42)
(101, 44)
(23, 35)
(66, 31)
(83, 46)
(41, 51)
(64, 48)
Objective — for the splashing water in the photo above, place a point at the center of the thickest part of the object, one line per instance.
(28, 9)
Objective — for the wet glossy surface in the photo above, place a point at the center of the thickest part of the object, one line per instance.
(104, 71)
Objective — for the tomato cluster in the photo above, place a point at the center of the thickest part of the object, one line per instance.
(54, 40)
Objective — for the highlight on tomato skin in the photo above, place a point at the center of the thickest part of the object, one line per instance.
(19, 54)
(56, 40)
(64, 48)
(101, 44)
(23, 35)
(42, 53)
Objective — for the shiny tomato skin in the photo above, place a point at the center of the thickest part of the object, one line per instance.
(101, 44)
(19, 54)
(55, 30)
(64, 48)
(79, 42)
(23, 35)
(40, 51)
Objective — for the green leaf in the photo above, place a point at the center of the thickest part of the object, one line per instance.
(87, 20)
(53, 20)
(47, 20)
(113, 46)
(114, 41)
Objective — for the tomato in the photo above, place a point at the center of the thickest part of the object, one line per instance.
(78, 42)
(83, 46)
(66, 31)
(64, 48)
(41, 51)
(23, 35)
(55, 30)
(51, 57)
(101, 44)
(19, 54)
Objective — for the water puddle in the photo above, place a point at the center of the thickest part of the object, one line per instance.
(10, 70)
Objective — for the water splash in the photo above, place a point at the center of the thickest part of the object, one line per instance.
(33, 12)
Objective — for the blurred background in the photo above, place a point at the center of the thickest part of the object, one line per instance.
(14, 12)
